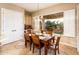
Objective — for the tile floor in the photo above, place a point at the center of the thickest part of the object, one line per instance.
(18, 48)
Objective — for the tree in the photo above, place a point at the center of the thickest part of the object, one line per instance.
(48, 25)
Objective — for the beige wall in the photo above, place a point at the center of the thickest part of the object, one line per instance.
(70, 41)
(55, 9)
(28, 18)
(77, 27)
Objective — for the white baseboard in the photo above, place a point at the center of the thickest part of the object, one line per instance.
(68, 44)
(10, 42)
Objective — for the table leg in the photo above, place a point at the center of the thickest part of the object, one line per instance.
(46, 50)
(46, 47)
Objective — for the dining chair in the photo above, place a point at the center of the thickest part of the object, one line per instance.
(27, 39)
(37, 43)
(55, 45)
(52, 40)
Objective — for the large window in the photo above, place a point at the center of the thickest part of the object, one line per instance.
(55, 24)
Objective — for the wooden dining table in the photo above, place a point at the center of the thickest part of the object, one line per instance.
(44, 38)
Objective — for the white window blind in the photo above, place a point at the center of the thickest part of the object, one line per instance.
(69, 23)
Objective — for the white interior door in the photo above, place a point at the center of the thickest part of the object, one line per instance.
(12, 25)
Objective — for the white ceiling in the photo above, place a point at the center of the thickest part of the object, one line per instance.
(31, 7)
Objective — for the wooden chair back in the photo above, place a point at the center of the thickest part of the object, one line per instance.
(35, 39)
(29, 31)
(57, 41)
(26, 35)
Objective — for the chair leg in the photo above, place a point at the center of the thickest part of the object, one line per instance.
(33, 48)
(30, 45)
(40, 51)
(58, 50)
(55, 51)
(53, 40)
(25, 44)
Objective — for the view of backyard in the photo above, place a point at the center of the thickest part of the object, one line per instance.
(56, 25)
